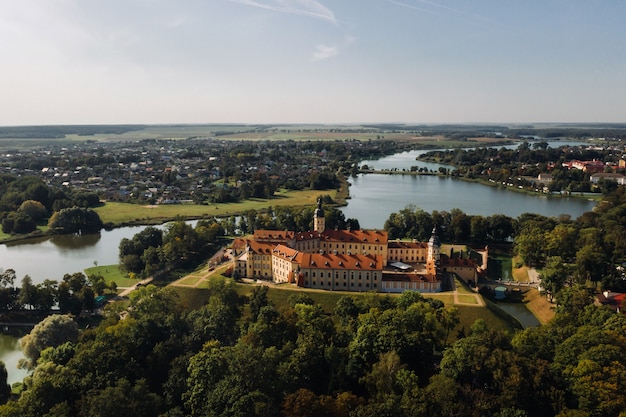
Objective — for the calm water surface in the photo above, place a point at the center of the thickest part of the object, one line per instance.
(10, 354)
(374, 196)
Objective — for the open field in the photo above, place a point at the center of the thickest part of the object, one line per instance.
(125, 213)
(112, 273)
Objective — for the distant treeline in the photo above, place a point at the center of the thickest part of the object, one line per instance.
(592, 130)
(60, 131)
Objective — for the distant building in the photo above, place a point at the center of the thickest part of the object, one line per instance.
(586, 166)
(619, 178)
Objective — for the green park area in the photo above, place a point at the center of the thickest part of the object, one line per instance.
(112, 273)
(126, 213)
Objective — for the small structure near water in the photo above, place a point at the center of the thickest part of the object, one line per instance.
(500, 292)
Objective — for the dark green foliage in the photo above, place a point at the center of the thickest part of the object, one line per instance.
(388, 357)
(75, 220)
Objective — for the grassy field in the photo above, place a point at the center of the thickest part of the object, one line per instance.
(124, 213)
(112, 273)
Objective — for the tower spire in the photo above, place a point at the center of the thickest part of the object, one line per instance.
(319, 222)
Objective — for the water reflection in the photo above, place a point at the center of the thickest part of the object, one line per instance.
(75, 241)
(10, 354)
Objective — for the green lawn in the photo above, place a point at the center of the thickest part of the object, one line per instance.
(112, 273)
(467, 299)
(121, 213)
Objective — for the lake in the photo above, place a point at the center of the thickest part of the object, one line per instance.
(373, 197)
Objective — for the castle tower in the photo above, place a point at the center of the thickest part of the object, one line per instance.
(434, 246)
(319, 222)
(434, 251)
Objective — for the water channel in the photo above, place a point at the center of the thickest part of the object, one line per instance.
(373, 198)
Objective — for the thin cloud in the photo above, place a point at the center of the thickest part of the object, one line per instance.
(310, 8)
(324, 52)
(429, 6)
(408, 6)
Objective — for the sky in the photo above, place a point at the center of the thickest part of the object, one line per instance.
(308, 61)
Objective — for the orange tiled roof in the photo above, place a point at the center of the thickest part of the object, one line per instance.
(275, 235)
(347, 262)
(264, 248)
(285, 252)
(363, 236)
(300, 236)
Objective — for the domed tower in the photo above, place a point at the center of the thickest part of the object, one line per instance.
(434, 246)
(319, 223)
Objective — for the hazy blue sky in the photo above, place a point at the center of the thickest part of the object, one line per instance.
(305, 61)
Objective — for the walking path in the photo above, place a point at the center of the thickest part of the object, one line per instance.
(128, 290)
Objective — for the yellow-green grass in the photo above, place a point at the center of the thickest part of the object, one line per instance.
(469, 314)
(539, 305)
(190, 280)
(124, 213)
(461, 287)
(520, 274)
(112, 273)
(446, 298)
(467, 299)
(192, 298)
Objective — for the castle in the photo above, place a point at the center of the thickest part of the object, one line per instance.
(346, 260)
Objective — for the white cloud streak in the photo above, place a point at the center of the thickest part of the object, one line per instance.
(310, 8)
(324, 52)
(429, 6)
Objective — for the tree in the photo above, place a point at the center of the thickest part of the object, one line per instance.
(529, 244)
(75, 220)
(33, 209)
(52, 331)
(5, 389)
(555, 276)
(28, 292)
(18, 222)
(258, 300)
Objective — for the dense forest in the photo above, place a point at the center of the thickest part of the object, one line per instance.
(373, 356)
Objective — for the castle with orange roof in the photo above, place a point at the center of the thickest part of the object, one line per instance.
(342, 260)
